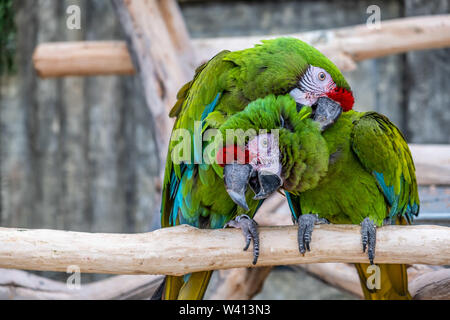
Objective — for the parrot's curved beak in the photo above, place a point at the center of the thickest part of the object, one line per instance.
(268, 183)
(238, 176)
(326, 112)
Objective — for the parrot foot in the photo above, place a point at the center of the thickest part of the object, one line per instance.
(306, 224)
(369, 238)
(250, 230)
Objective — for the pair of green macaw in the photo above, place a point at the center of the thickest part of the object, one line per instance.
(335, 165)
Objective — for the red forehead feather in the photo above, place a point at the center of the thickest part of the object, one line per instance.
(343, 96)
(232, 154)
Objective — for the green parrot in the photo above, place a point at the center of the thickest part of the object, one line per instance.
(194, 191)
(369, 180)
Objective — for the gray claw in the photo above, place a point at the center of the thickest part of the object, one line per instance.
(369, 238)
(306, 224)
(249, 228)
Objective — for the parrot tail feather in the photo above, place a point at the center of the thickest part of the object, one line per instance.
(194, 288)
(383, 281)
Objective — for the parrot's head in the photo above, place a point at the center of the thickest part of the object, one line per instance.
(319, 78)
(257, 166)
(273, 146)
(288, 65)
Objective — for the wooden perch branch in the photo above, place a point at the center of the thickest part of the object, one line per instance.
(344, 46)
(83, 58)
(348, 45)
(185, 249)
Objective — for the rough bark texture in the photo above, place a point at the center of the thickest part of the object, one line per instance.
(76, 153)
(184, 249)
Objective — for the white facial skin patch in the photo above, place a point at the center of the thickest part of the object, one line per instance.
(265, 153)
(315, 83)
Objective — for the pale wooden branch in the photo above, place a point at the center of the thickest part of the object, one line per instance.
(338, 275)
(432, 162)
(425, 282)
(184, 249)
(83, 58)
(19, 285)
(240, 283)
(345, 46)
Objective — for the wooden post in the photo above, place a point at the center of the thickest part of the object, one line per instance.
(159, 61)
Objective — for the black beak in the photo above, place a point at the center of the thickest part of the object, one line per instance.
(327, 111)
(236, 177)
(268, 184)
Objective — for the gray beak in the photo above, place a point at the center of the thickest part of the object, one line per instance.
(327, 112)
(236, 177)
(268, 184)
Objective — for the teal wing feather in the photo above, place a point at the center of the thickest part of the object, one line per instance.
(382, 150)
(294, 205)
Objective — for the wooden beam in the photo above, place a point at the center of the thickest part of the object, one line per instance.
(432, 162)
(159, 61)
(184, 249)
(20, 285)
(240, 283)
(424, 282)
(85, 58)
(345, 46)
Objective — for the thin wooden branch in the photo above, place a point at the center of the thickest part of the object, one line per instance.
(184, 249)
(240, 283)
(84, 58)
(431, 285)
(19, 285)
(338, 275)
(425, 282)
(345, 46)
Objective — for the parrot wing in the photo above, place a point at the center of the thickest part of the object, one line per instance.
(382, 150)
(194, 103)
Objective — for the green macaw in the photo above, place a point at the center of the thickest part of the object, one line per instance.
(369, 180)
(194, 192)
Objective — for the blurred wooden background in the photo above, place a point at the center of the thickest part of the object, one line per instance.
(79, 153)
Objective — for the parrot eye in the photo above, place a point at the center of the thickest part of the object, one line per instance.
(321, 76)
(264, 142)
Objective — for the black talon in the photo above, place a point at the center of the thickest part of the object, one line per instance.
(306, 224)
(249, 228)
(369, 238)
